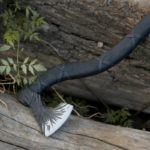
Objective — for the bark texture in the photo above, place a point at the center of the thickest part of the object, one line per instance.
(83, 29)
(20, 131)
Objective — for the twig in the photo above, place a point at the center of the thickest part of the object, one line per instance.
(147, 105)
(2, 90)
(54, 52)
(58, 94)
(98, 113)
(78, 114)
(65, 101)
(14, 81)
(88, 106)
(89, 117)
(51, 46)
(4, 104)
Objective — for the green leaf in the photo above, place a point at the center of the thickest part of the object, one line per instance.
(26, 60)
(26, 36)
(20, 19)
(24, 69)
(39, 67)
(34, 12)
(22, 50)
(31, 37)
(33, 78)
(17, 7)
(10, 60)
(111, 116)
(35, 35)
(18, 81)
(15, 67)
(14, 89)
(33, 62)
(8, 69)
(123, 119)
(4, 62)
(44, 22)
(25, 81)
(31, 69)
(2, 69)
(5, 48)
(11, 35)
(32, 24)
(128, 123)
(1, 1)
(27, 13)
(11, 43)
(128, 114)
(30, 81)
(10, 12)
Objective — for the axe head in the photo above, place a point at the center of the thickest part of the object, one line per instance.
(49, 119)
(56, 118)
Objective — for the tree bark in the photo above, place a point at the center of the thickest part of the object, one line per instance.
(81, 30)
(20, 131)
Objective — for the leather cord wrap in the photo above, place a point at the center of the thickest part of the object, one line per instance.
(62, 72)
(70, 71)
(33, 100)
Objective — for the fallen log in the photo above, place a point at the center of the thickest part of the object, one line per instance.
(81, 30)
(19, 130)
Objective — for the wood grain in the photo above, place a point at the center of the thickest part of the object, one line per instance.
(20, 131)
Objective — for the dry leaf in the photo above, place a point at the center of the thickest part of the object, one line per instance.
(130, 19)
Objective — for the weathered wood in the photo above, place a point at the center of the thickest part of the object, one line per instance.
(19, 129)
(81, 30)
(5, 146)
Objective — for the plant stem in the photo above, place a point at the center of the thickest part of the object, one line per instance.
(143, 108)
(18, 62)
(18, 59)
(15, 5)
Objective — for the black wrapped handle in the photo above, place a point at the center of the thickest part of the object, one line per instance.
(70, 71)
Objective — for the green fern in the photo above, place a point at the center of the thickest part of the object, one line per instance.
(119, 117)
